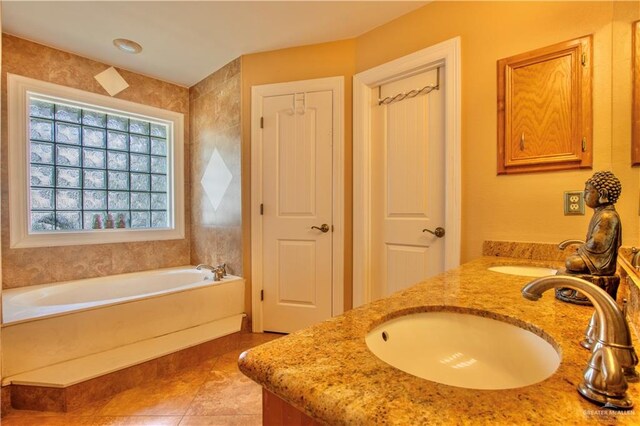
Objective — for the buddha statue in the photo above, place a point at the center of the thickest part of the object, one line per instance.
(595, 259)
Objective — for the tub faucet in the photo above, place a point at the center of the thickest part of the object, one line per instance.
(217, 271)
(202, 266)
(564, 244)
(612, 355)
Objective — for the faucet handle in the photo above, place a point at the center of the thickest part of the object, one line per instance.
(218, 273)
(223, 268)
(604, 381)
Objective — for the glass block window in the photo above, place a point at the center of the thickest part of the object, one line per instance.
(93, 169)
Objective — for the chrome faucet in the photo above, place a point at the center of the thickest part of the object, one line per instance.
(612, 357)
(218, 271)
(202, 266)
(564, 244)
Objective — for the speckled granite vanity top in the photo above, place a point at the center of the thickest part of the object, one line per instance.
(328, 372)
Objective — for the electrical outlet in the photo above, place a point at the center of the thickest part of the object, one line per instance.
(573, 203)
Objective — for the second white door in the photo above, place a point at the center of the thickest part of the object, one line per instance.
(297, 210)
(408, 185)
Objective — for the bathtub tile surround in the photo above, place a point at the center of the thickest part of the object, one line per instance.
(207, 392)
(5, 400)
(75, 397)
(24, 267)
(49, 332)
(216, 228)
(215, 180)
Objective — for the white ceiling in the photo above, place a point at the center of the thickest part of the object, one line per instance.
(185, 41)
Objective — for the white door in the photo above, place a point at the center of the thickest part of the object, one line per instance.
(408, 185)
(297, 210)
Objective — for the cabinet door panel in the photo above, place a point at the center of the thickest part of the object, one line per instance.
(544, 109)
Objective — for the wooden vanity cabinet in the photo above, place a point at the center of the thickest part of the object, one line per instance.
(545, 109)
(278, 412)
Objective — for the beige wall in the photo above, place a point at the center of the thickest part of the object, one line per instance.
(624, 14)
(22, 267)
(524, 207)
(299, 63)
(216, 234)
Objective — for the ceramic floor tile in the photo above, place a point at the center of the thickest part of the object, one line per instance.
(170, 396)
(227, 362)
(45, 421)
(92, 421)
(246, 420)
(137, 421)
(227, 393)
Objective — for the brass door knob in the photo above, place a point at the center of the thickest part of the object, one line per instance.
(439, 232)
(324, 228)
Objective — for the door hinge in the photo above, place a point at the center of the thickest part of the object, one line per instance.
(262, 122)
(584, 60)
(261, 295)
(261, 209)
(584, 144)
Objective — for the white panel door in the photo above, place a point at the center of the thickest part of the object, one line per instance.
(408, 195)
(297, 196)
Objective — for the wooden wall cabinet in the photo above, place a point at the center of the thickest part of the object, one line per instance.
(545, 109)
(635, 137)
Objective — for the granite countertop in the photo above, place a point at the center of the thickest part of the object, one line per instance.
(327, 372)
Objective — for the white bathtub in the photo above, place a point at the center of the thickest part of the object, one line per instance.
(53, 323)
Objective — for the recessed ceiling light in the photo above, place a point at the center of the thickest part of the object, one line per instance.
(127, 46)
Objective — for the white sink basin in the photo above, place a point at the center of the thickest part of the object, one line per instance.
(524, 271)
(464, 350)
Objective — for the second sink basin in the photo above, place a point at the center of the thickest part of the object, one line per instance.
(524, 271)
(464, 350)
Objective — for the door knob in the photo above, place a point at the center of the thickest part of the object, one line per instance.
(324, 228)
(439, 232)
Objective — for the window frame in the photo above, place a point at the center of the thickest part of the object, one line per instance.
(19, 89)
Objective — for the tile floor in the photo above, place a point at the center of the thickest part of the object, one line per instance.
(212, 393)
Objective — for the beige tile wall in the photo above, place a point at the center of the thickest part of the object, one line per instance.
(23, 267)
(216, 234)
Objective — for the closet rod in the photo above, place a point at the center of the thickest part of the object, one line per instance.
(411, 94)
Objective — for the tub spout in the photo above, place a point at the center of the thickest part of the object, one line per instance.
(612, 354)
(202, 266)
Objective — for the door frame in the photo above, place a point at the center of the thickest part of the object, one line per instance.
(336, 85)
(446, 53)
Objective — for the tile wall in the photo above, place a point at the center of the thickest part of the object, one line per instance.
(216, 220)
(23, 267)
